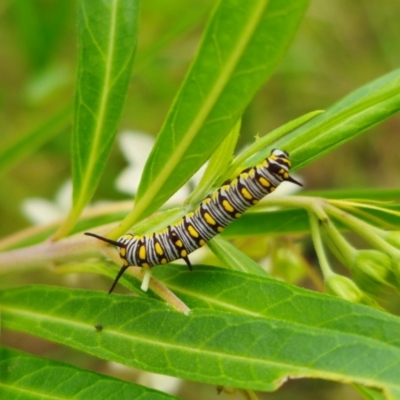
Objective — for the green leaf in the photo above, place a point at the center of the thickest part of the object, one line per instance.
(242, 45)
(251, 155)
(370, 393)
(233, 258)
(107, 33)
(323, 337)
(218, 163)
(27, 377)
(269, 222)
(265, 297)
(261, 221)
(349, 117)
(23, 145)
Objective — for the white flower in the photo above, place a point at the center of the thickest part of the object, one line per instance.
(41, 211)
(136, 147)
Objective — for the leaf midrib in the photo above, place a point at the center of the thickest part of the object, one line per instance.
(209, 102)
(87, 176)
(300, 369)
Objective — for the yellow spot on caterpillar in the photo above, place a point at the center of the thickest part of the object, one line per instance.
(142, 252)
(264, 164)
(252, 172)
(159, 249)
(281, 171)
(193, 231)
(286, 175)
(225, 187)
(246, 194)
(272, 157)
(145, 265)
(272, 189)
(237, 215)
(228, 206)
(244, 175)
(179, 243)
(202, 242)
(214, 195)
(234, 182)
(163, 261)
(209, 219)
(206, 200)
(264, 182)
(183, 253)
(220, 229)
(189, 215)
(122, 252)
(255, 201)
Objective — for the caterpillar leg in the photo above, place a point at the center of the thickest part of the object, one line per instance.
(186, 259)
(120, 273)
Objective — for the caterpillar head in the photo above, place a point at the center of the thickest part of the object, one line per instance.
(279, 165)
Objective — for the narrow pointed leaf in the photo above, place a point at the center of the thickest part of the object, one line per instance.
(233, 258)
(215, 346)
(344, 120)
(242, 45)
(25, 376)
(107, 32)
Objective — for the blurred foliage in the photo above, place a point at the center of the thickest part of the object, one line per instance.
(340, 46)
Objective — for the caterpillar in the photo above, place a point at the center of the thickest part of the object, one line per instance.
(211, 216)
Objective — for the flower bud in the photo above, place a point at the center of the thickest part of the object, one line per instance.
(343, 287)
(373, 264)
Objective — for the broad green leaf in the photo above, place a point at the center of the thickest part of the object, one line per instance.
(272, 222)
(242, 45)
(17, 149)
(338, 341)
(23, 376)
(107, 34)
(343, 121)
(234, 258)
(265, 297)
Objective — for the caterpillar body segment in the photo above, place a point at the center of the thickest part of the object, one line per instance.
(209, 219)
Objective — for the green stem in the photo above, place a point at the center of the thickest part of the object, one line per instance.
(339, 245)
(318, 246)
(364, 229)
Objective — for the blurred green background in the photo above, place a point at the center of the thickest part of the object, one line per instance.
(340, 46)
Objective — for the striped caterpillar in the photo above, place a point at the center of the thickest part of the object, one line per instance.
(209, 219)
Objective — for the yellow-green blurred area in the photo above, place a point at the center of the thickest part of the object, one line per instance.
(340, 46)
